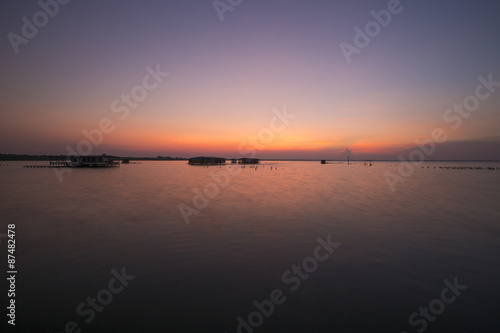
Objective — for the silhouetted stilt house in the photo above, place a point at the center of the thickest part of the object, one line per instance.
(203, 160)
(246, 160)
(89, 161)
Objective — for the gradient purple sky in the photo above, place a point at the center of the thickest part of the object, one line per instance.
(227, 77)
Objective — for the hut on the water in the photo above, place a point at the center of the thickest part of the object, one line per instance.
(203, 160)
(247, 160)
(87, 161)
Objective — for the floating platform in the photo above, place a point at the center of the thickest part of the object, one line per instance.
(204, 160)
(90, 161)
(467, 168)
(69, 165)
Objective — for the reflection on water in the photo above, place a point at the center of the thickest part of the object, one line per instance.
(397, 247)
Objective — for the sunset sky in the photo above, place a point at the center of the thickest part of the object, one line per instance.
(227, 79)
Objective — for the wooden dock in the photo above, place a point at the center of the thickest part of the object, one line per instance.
(71, 165)
(45, 166)
(467, 168)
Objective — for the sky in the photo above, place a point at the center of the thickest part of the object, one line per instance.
(236, 67)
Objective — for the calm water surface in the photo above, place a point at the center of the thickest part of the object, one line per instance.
(396, 248)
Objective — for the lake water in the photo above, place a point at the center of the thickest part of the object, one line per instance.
(391, 252)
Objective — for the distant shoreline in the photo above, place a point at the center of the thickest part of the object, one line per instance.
(26, 157)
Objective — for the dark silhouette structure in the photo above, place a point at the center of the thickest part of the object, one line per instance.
(203, 160)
